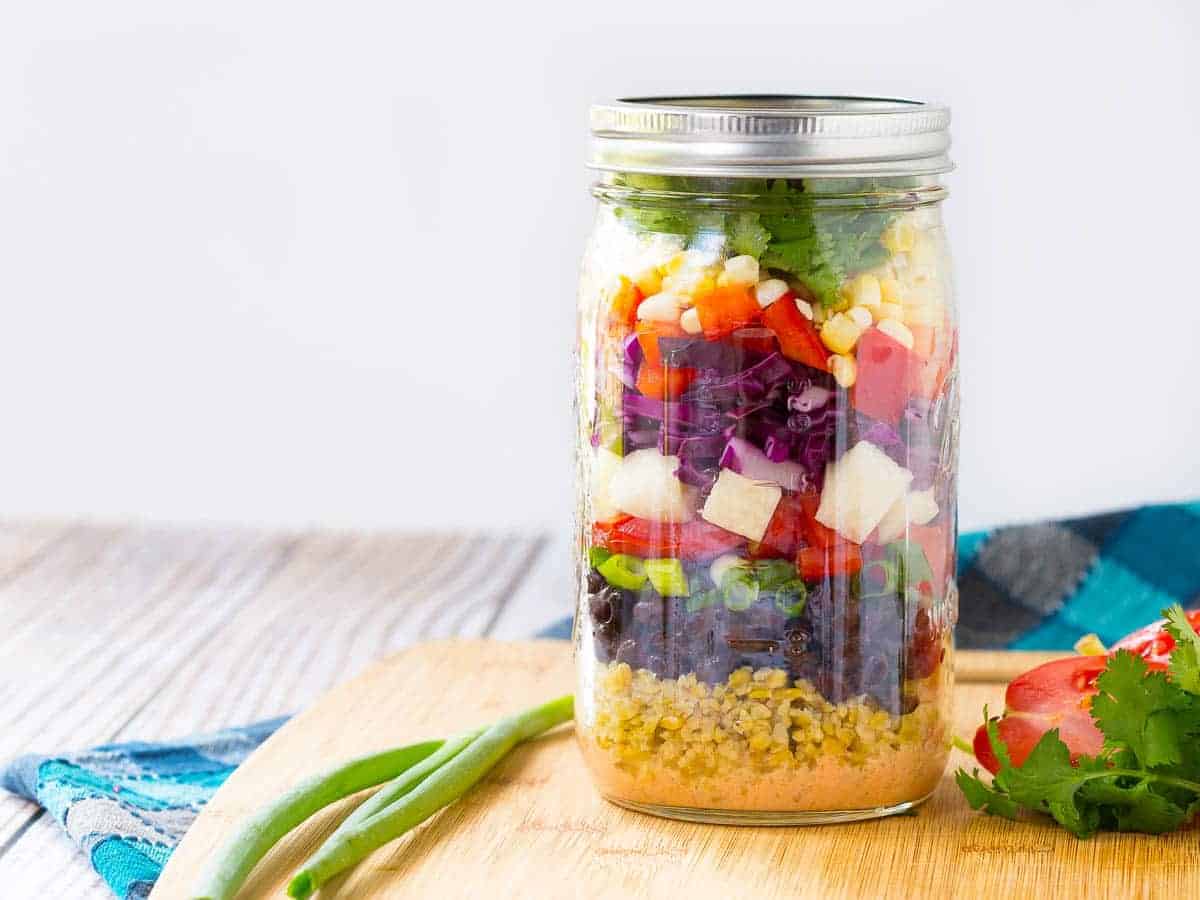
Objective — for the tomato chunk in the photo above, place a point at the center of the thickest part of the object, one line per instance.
(885, 375)
(649, 539)
(664, 382)
(798, 337)
(725, 310)
(817, 563)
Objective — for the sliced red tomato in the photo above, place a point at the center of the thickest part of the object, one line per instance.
(725, 310)
(1153, 643)
(798, 337)
(939, 550)
(885, 374)
(817, 563)
(1054, 695)
(664, 382)
(648, 334)
(648, 539)
(622, 313)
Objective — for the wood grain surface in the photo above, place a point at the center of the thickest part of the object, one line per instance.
(535, 827)
(151, 632)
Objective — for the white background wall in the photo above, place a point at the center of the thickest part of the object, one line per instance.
(290, 263)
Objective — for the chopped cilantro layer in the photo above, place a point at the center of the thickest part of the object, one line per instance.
(788, 230)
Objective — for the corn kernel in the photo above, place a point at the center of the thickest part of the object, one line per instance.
(861, 316)
(660, 308)
(676, 263)
(805, 308)
(899, 237)
(897, 331)
(890, 311)
(767, 292)
(742, 270)
(844, 370)
(672, 723)
(889, 290)
(648, 282)
(863, 290)
(690, 321)
(839, 333)
(1090, 645)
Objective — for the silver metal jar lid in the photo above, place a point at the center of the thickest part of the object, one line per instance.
(770, 136)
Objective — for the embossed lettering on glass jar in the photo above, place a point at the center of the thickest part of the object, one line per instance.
(767, 453)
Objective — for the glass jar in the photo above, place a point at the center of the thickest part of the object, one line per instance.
(767, 453)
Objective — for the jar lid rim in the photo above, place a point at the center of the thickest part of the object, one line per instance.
(770, 135)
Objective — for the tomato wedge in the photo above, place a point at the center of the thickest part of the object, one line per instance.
(798, 337)
(1058, 695)
(648, 539)
(1153, 643)
(885, 374)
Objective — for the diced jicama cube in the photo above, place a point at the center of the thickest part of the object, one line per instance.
(605, 466)
(859, 490)
(741, 505)
(645, 486)
(917, 508)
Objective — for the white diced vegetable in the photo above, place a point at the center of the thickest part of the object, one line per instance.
(859, 490)
(741, 505)
(605, 466)
(917, 508)
(645, 486)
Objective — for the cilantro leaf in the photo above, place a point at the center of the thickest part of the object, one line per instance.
(980, 796)
(1185, 658)
(1143, 711)
(1133, 806)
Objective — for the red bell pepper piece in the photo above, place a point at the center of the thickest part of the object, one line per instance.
(755, 340)
(648, 334)
(725, 310)
(885, 374)
(798, 337)
(815, 534)
(622, 314)
(817, 563)
(664, 382)
(648, 539)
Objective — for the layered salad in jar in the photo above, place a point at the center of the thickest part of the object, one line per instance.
(768, 411)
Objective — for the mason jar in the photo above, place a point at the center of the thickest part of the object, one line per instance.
(767, 452)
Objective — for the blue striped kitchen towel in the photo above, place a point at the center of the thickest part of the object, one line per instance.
(1028, 587)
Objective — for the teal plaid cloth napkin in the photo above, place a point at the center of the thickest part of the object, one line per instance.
(1029, 587)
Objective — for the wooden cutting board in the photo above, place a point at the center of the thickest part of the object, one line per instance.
(535, 827)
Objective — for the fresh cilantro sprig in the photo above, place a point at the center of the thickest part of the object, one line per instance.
(1147, 777)
(789, 230)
